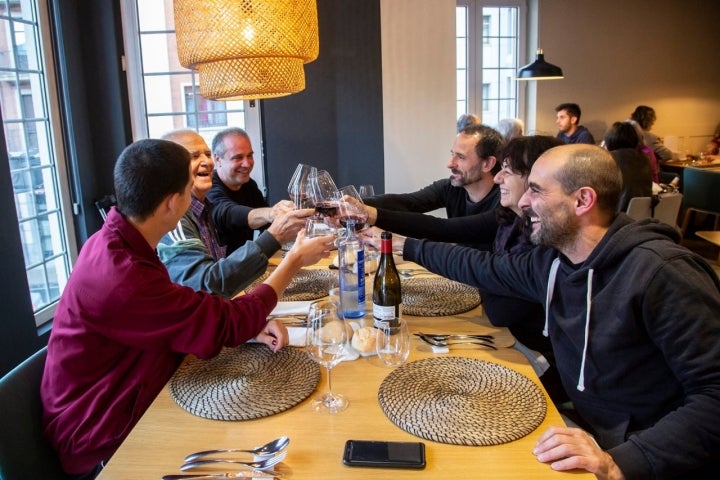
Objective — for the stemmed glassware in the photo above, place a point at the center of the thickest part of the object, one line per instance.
(326, 341)
(366, 191)
(352, 207)
(299, 186)
(324, 194)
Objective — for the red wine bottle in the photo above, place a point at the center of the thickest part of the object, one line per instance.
(387, 296)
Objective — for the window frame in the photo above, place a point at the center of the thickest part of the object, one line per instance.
(474, 82)
(57, 163)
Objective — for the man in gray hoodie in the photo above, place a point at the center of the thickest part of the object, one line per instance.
(632, 317)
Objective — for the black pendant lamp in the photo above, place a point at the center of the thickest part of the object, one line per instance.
(540, 69)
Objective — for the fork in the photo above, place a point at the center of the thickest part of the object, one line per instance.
(258, 465)
(445, 343)
(456, 336)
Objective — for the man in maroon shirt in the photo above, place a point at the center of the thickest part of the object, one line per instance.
(122, 326)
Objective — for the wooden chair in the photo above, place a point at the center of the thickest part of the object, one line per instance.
(700, 194)
(24, 452)
(665, 209)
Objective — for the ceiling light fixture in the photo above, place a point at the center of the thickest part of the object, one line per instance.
(540, 70)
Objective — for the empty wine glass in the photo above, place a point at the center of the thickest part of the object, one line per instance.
(352, 207)
(299, 186)
(324, 194)
(366, 191)
(326, 340)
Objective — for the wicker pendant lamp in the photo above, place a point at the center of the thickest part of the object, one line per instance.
(247, 49)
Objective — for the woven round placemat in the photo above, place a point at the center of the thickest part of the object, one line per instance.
(246, 382)
(437, 296)
(307, 284)
(462, 401)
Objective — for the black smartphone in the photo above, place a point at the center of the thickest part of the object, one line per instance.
(369, 453)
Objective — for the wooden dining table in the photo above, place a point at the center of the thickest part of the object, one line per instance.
(167, 433)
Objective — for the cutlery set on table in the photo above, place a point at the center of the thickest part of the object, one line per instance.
(264, 458)
(447, 340)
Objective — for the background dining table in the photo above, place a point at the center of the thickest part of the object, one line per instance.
(167, 432)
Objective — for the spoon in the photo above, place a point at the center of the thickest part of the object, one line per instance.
(270, 448)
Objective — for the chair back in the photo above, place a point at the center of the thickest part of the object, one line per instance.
(104, 205)
(700, 189)
(666, 208)
(24, 452)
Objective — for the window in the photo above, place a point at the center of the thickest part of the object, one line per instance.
(164, 95)
(36, 163)
(488, 48)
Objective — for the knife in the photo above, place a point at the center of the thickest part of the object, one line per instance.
(240, 474)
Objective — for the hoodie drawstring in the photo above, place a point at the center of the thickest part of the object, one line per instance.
(551, 289)
(552, 276)
(588, 300)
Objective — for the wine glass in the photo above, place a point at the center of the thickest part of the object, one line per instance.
(299, 185)
(324, 194)
(366, 191)
(326, 340)
(393, 341)
(352, 207)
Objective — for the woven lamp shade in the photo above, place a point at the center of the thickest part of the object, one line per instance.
(247, 49)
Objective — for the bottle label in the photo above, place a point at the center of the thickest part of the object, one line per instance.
(383, 314)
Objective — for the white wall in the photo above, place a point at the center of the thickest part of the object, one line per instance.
(418, 63)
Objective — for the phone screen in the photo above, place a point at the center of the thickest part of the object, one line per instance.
(384, 454)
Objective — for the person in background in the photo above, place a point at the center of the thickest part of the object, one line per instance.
(631, 314)
(568, 123)
(511, 128)
(524, 319)
(622, 141)
(647, 151)
(645, 117)
(192, 251)
(238, 205)
(713, 146)
(122, 327)
(467, 119)
(470, 188)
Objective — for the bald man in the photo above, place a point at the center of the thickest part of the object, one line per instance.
(192, 252)
(632, 317)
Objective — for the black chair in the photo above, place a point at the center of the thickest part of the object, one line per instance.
(700, 194)
(104, 205)
(24, 452)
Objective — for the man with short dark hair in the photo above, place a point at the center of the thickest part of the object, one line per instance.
(122, 327)
(568, 123)
(238, 206)
(469, 190)
(632, 317)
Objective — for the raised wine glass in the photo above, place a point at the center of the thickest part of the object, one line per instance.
(324, 194)
(299, 186)
(352, 207)
(326, 340)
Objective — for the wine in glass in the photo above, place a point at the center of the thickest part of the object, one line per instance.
(352, 207)
(299, 186)
(326, 341)
(324, 194)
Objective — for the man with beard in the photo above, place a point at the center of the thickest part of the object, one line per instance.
(238, 205)
(470, 189)
(193, 253)
(632, 317)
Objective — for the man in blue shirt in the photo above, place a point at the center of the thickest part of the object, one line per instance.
(568, 123)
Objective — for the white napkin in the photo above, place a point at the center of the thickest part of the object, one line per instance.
(291, 308)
